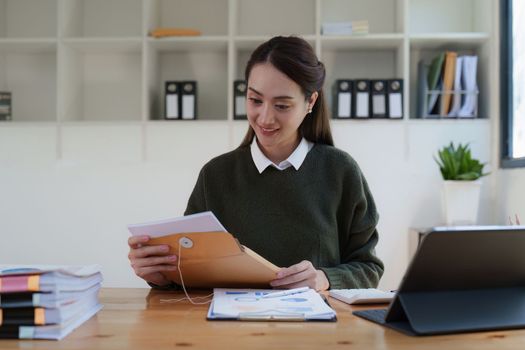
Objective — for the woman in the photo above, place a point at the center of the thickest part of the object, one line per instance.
(286, 192)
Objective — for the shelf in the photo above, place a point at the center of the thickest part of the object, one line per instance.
(435, 40)
(449, 120)
(246, 42)
(370, 41)
(28, 45)
(27, 123)
(105, 45)
(380, 121)
(204, 43)
(103, 71)
(90, 123)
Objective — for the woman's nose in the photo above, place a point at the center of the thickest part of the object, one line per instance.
(266, 116)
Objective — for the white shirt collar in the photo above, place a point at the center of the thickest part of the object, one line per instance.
(295, 159)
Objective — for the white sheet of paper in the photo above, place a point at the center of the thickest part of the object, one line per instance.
(200, 222)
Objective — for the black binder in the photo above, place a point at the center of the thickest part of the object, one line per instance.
(378, 99)
(461, 280)
(362, 98)
(188, 104)
(343, 90)
(172, 100)
(395, 98)
(6, 112)
(239, 99)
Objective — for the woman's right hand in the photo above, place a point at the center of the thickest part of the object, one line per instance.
(149, 261)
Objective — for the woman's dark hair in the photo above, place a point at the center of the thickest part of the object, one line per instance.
(294, 57)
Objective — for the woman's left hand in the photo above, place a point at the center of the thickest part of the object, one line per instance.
(302, 274)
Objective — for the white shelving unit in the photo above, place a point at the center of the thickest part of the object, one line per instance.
(85, 62)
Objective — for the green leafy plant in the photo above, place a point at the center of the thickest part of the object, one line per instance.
(456, 163)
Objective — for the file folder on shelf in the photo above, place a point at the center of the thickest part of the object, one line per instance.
(6, 110)
(433, 79)
(239, 99)
(456, 98)
(449, 72)
(343, 91)
(362, 96)
(395, 98)
(378, 100)
(469, 107)
(172, 95)
(189, 100)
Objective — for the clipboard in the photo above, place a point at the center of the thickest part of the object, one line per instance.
(249, 305)
(216, 259)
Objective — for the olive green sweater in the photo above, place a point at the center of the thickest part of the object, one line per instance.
(323, 212)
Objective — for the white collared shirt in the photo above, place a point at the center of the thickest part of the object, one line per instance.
(295, 159)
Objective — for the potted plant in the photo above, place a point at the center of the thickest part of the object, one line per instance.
(462, 186)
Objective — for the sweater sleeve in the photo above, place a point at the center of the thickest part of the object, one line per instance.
(197, 200)
(358, 236)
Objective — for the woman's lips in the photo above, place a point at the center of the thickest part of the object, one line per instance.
(268, 131)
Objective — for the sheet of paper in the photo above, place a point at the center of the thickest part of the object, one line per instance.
(248, 303)
(201, 222)
(71, 270)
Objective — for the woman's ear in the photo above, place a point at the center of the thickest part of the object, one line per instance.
(312, 99)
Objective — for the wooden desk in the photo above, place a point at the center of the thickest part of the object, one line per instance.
(136, 319)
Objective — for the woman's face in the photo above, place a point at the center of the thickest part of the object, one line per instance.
(275, 108)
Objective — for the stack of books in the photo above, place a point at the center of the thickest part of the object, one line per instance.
(47, 302)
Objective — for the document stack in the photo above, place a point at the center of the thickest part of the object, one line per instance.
(345, 28)
(47, 302)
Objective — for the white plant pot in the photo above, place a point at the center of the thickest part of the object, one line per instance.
(461, 202)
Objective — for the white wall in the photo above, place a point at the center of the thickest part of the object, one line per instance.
(511, 190)
(75, 209)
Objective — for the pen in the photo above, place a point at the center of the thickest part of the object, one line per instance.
(282, 293)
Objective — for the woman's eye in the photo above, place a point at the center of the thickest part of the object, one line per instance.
(282, 107)
(255, 100)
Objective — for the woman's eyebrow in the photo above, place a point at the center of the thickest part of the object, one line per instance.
(284, 97)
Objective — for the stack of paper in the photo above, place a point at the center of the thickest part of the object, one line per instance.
(46, 302)
(345, 28)
(249, 304)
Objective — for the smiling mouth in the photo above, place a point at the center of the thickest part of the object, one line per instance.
(268, 130)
